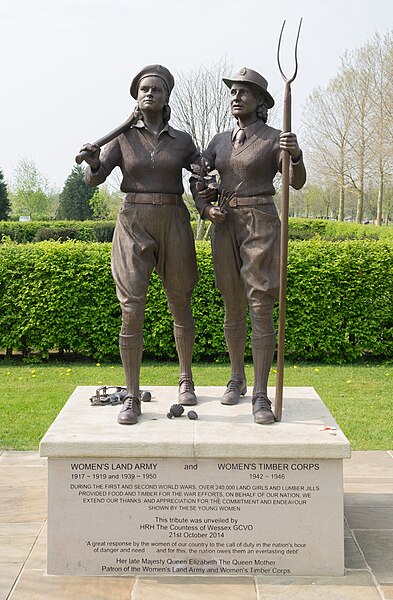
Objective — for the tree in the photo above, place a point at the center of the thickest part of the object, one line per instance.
(5, 206)
(99, 204)
(379, 59)
(350, 126)
(200, 106)
(360, 139)
(75, 197)
(30, 191)
(328, 119)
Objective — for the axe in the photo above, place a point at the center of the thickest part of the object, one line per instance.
(109, 136)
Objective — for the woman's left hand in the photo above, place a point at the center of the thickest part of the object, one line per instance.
(207, 193)
(288, 141)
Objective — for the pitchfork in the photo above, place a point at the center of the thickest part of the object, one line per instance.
(284, 229)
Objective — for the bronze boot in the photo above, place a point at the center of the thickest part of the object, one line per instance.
(130, 411)
(184, 338)
(187, 395)
(236, 387)
(262, 411)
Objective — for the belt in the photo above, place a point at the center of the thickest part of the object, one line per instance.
(152, 198)
(250, 201)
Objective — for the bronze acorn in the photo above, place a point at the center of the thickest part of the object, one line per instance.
(192, 415)
(177, 410)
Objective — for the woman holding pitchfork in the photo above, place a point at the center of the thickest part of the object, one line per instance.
(246, 231)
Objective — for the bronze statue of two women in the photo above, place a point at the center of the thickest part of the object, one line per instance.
(153, 229)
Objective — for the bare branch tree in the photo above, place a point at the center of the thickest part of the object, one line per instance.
(328, 118)
(200, 106)
(350, 125)
(199, 103)
(378, 57)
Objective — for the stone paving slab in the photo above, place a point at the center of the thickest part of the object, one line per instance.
(369, 517)
(9, 572)
(23, 505)
(374, 464)
(35, 585)
(387, 591)
(31, 475)
(368, 488)
(371, 500)
(377, 547)
(195, 588)
(353, 556)
(356, 585)
(9, 458)
(36, 561)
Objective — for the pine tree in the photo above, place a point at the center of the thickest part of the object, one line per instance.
(5, 206)
(74, 200)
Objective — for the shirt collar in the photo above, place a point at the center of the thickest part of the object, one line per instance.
(249, 131)
(167, 128)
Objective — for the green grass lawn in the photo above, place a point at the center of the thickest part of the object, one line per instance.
(360, 396)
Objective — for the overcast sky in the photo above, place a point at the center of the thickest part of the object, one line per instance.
(66, 66)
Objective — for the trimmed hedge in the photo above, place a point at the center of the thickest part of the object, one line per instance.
(300, 228)
(61, 295)
(37, 231)
(102, 231)
(340, 300)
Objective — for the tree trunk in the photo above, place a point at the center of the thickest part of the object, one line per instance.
(207, 232)
(200, 229)
(380, 199)
(341, 200)
(359, 207)
(360, 204)
(341, 204)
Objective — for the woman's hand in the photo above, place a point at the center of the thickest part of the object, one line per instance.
(215, 215)
(93, 155)
(288, 141)
(207, 193)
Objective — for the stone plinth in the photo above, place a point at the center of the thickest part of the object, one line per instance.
(219, 495)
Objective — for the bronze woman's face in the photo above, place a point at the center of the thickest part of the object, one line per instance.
(243, 101)
(152, 94)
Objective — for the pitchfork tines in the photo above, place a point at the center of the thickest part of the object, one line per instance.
(285, 78)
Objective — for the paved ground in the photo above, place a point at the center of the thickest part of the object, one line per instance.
(368, 484)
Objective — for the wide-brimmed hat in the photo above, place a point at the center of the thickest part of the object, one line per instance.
(246, 75)
(152, 71)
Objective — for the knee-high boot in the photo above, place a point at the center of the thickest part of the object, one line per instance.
(263, 343)
(184, 339)
(235, 336)
(262, 355)
(131, 349)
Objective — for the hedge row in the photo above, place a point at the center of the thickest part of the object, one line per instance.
(102, 231)
(37, 231)
(333, 230)
(54, 295)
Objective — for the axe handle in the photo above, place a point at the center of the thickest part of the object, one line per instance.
(108, 137)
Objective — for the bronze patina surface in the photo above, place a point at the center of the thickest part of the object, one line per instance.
(246, 236)
(153, 227)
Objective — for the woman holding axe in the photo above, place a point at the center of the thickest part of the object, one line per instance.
(153, 227)
(246, 234)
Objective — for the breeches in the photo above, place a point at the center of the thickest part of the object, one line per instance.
(246, 250)
(151, 236)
